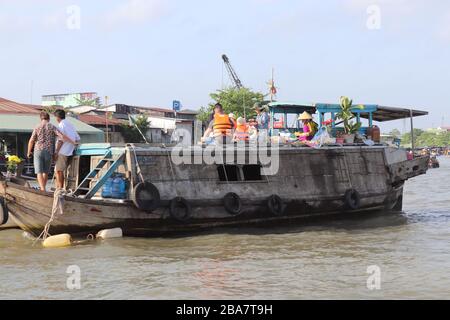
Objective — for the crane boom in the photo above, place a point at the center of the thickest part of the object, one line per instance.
(233, 75)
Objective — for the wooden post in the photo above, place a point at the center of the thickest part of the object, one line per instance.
(106, 120)
(413, 145)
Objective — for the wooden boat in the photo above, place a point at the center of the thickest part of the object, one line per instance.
(8, 225)
(434, 162)
(309, 182)
(174, 190)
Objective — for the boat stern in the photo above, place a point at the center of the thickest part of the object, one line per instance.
(404, 170)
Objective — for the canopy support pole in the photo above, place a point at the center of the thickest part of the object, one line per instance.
(413, 145)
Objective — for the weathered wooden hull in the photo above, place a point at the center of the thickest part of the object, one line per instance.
(382, 189)
(9, 225)
(31, 210)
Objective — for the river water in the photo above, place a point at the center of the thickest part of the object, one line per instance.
(409, 251)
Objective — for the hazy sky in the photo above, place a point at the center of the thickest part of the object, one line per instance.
(150, 52)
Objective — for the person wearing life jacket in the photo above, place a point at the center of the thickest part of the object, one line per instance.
(310, 128)
(221, 125)
(233, 120)
(242, 131)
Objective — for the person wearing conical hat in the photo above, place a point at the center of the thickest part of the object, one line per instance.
(310, 128)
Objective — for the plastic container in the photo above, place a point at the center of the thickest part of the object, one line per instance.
(119, 187)
(375, 133)
(110, 234)
(363, 131)
(107, 188)
(59, 241)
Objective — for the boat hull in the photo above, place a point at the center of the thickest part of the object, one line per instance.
(310, 183)
(31, 211)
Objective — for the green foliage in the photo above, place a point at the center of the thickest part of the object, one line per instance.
(233, 101)
(427, 138)
(406, 138)
(51, 109)
(131, 134)
(395, 133)
(88, 102)
(346, 115)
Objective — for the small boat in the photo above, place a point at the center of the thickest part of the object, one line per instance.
(433, 163)
(150, 191)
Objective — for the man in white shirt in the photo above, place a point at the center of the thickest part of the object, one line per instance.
(64, 149)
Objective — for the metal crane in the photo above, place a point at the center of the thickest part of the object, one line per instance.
(233, 75)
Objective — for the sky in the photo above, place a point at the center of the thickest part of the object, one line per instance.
(151, 52)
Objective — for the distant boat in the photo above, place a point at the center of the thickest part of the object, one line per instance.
(433, 163)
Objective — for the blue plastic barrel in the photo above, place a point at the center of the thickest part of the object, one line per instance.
(107, 188)
(119, 187)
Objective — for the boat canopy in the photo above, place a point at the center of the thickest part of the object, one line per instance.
(286, 112)
(372, 112)
(291, 107)
(383, 114)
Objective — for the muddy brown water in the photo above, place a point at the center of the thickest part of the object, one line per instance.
(327, 260)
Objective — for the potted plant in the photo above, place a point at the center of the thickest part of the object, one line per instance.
(346, 115)
(11, 165)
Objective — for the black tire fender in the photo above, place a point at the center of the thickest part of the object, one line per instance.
(3, 212)
(176, 204)
(276, 205)
(352, 199)
(232, 203)
(146, 196)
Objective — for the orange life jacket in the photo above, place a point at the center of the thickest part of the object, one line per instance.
(241, 133)
(222, 125)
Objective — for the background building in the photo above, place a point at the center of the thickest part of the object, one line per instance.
(17, 122)
(67, 100)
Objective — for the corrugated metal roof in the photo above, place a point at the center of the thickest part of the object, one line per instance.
(27, 123)
(8, 106)
(34, 106)
(99, 120)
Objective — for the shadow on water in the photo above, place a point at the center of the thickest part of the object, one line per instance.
(345, 222)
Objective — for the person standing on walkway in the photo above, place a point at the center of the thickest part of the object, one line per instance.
(64, 149)
(42, 141)
(263, 120)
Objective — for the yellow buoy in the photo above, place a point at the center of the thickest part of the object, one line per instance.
(59, 241)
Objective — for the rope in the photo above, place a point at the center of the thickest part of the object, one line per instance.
(347, 169)
(171, 168)
(57, 208)
(139, 171)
